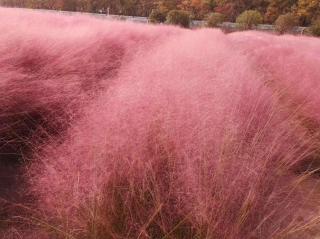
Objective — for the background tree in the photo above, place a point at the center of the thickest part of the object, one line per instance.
(227, 8)
(259, 5)
(285, 23)
(167, 5)
(178, 17)
(145, 7)
(209, 5)
(52, 4)
(197, 8)
(156, 16)
(307, 11)
(69, 5)
(315, 28)
(214, 19)
(248, 19)
(277, 8)
(233, 8)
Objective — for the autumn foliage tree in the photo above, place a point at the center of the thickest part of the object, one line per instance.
(308, 11)
(277, 8)
(195, 7)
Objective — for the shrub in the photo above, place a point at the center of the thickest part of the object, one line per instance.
(249, 19)
(285, 23)
(214, 19)
(178, 17)
(315, 28)
(157, 16)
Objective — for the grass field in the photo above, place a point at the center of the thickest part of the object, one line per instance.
(121, 130)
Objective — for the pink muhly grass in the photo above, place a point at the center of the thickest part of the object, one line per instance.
(299, 58)
(50, 66)
(290, 66)
(157, 132)
(189, 142)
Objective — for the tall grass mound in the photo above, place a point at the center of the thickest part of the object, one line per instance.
(296, 83)
(50, 68)
(162, 132)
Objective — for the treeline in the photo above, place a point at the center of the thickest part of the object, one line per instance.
(305, 11)
(122, 7)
